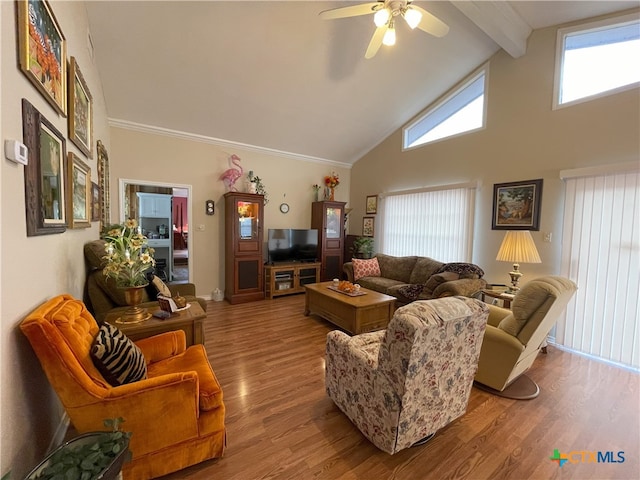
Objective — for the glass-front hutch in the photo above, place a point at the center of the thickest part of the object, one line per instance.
(328, 218)
(244, 214)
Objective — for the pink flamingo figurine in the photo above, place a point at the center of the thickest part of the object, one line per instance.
(231, 176)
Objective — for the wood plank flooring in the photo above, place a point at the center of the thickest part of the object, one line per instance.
(269, 359)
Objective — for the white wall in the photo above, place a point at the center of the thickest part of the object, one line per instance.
(35, 269)
(524, 139)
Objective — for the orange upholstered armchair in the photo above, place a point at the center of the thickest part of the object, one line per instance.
(176, 414)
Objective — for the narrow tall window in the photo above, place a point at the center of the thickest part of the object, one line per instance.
(597, 59)
(462, 111)
(601, 253)
(431, 223)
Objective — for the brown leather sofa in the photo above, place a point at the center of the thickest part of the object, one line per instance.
(102, 296)
(176, 414)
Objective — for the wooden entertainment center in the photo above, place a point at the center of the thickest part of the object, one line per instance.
(287, 278)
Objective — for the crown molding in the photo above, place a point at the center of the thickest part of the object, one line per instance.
(139, 127)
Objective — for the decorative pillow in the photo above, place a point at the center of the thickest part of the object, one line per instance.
(411, 291)
(465, 270)
(118, 359)
(160, 286)
(365, 268)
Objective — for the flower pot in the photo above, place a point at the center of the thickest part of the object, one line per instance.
(109, 472)
(134, 314)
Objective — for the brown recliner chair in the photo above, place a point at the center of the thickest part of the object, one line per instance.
(176, 415)
(102, 296)
(514, 337)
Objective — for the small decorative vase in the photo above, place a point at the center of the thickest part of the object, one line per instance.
(252, 187)
(326, 193)
(134, 314)
(332, 194)
(315, 196)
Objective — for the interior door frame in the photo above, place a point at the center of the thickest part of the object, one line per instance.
(131, 181)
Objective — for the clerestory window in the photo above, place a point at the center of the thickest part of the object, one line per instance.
(597, 59)
(462, 111)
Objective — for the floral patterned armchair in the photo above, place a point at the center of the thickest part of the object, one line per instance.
(402, 384)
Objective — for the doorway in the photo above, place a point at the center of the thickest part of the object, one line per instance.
(170, 238)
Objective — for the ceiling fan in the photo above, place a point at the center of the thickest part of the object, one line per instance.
(385, 14)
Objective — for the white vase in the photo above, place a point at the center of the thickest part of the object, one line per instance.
(252, 187)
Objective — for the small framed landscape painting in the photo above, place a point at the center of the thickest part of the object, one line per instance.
(516, 205)
(95, 202)
(372, 205)
(367, 226)
(79, 192)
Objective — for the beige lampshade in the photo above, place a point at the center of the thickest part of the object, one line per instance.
(518, 247)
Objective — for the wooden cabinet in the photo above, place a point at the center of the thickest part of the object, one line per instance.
(284, 279)
(244, 214)
(328, 218)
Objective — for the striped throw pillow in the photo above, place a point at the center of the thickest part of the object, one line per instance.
(118, 359)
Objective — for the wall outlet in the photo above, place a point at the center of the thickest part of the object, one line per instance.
(201, 227)
(546, 237)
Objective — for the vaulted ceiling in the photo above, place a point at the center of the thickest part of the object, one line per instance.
(274, 75)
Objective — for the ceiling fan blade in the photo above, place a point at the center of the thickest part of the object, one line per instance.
(376, 41)
(352, 11)
(430, 23)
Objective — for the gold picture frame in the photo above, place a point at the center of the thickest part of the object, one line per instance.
(44, 174)
(43, 51)
(372, 205)
(103, 183)
(80, 110)
(78, 192)
(368, 226)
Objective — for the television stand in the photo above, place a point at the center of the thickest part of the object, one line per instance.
(288, 278)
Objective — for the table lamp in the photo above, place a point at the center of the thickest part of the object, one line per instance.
(517, 247)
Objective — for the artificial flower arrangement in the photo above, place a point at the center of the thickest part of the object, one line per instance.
(128, 255)
(332, 181)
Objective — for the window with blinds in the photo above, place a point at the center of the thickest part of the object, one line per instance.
(436, 223)
(601, 253)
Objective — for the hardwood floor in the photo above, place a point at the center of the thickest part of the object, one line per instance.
(269, 359)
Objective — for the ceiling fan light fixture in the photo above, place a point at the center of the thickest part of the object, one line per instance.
(389, 38)
(412, 17)
(381, 17)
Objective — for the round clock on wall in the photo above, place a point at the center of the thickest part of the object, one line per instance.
(284, 207)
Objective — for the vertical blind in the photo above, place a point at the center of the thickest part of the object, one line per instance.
(432, 223)
(601, 253)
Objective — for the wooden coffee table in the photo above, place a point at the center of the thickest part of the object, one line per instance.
(364, 313)
(189, 320)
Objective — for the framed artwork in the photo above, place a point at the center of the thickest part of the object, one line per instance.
(95, 202)
(367, 226)
(43, 51)
(80, 110)
(372, 204)
(78, 192)
(103, 184)
(516, 205)
(44, 175)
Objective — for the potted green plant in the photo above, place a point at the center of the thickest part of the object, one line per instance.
(90, 456)
(362, 247)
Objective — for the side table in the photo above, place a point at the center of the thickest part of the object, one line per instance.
(189, 320)
(505, 297)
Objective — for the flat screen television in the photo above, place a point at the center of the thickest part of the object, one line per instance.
(292, 245)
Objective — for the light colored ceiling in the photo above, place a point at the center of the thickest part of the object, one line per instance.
(274, 75)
